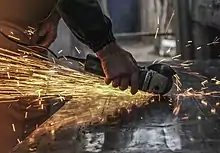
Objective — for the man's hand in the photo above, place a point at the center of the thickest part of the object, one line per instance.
(48, 30)
(119, 67)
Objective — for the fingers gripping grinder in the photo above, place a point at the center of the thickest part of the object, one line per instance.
(156, 78)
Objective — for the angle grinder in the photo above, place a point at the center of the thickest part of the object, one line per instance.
(156, 78)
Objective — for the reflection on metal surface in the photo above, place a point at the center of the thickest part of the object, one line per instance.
(95, 142)
(150, 129)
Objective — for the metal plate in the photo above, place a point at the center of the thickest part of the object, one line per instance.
(150, 129)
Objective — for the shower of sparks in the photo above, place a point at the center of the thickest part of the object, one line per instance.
(92, 99)
(202, 94)
(25, 74)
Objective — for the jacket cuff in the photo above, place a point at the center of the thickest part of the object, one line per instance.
(103, 38)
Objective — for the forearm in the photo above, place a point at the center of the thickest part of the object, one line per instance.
(87, 22)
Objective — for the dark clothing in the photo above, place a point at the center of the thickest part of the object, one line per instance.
(87, 22)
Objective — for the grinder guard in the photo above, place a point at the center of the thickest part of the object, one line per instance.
(162, 78)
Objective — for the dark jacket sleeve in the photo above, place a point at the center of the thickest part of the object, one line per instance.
(87, 22)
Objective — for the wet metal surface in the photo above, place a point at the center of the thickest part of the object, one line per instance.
(149, 129)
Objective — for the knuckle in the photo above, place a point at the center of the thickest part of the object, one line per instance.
(122, 88)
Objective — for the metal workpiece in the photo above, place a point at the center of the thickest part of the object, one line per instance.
(164, 125)
(152, 128)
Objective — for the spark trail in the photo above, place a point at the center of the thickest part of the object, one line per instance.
(24, 73)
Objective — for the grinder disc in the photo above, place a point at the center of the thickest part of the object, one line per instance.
(166, 71)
